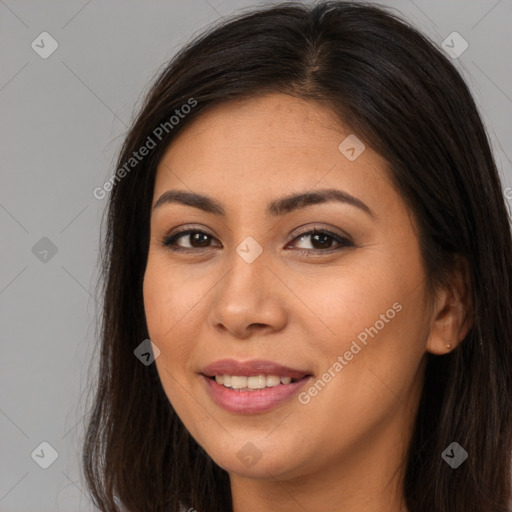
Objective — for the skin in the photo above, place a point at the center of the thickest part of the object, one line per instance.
(344, 449)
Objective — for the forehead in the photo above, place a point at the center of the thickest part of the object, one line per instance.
(248, 155)
(272, 120)
(273, 137)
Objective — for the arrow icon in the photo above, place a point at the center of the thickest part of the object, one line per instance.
(454, 45)
(454, 455)
(249, 249)
(44, 45)
(351, 147)
(44, 455)
(249, 454)
(44, 250)
(147, 352)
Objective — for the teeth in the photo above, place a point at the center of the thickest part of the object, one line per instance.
(238, 382)
(273, 380)
(256, 381)
(250, 383)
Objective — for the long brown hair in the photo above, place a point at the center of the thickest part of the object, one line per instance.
(404, 98)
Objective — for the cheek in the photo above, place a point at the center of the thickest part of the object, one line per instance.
(345, 303)
(362, 388)
(169, 299)
(373, 318)
(168, 306)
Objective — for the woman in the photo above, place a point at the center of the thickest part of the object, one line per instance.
(308, 224)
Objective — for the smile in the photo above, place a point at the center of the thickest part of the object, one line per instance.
(246, 383)
(251, 387)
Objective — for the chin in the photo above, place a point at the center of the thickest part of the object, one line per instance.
(253, 460)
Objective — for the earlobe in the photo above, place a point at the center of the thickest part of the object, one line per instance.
(450, 321)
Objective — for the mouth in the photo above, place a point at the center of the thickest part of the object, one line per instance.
(253, 386)
(252, 382)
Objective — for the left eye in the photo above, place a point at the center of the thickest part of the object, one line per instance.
(321, 240)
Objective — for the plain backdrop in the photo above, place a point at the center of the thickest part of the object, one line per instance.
(62, 122)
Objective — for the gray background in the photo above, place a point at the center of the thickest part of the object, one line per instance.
(62, 123)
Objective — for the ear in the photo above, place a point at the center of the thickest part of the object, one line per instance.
(452, 311)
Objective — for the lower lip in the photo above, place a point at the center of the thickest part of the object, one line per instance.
(251, 402)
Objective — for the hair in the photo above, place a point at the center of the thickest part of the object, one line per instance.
(402, 96)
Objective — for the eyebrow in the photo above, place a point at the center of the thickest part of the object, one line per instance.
(277, 207)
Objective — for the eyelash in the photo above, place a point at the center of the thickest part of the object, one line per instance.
(343, 242)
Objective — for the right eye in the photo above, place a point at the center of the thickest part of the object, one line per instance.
(199, 240)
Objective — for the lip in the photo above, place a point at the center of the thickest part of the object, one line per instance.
(251, 368)
(257, 401)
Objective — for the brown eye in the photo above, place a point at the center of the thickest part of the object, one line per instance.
(196, 240)
(322, 241)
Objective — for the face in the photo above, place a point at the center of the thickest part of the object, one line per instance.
(320, 299)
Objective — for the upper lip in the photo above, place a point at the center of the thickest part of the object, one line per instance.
(250, 368)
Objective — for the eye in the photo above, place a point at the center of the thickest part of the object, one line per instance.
(320, 239)
(199, 240)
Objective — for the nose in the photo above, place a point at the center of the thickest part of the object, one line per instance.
(249, 299)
